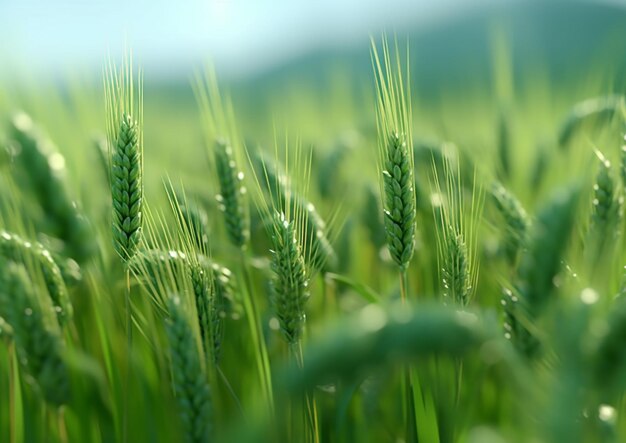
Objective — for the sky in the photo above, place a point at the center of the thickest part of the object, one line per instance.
(242, 36)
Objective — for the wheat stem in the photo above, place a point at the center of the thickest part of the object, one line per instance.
(129, 353)
(407, 387)
(256, 332)
(404, 285)
(309, 398)
(60, 413)
(231, 391)
(188, 378)
(13, 385)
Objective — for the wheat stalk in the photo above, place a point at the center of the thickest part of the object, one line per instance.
(124, 121)
(124, 112)
(188, 378)
(457, 231)
(222, 137)
(395, 154)
(286, 224)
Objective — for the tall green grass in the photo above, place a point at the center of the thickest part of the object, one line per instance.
(253, 278)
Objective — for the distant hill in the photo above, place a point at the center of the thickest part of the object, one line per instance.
(568, 40)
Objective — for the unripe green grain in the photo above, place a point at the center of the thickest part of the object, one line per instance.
(44, 169)
(395, 146)
(509, 305)
(217, 314)
(196, 222)
(40, 347)
(15, 248)
(209, 308)
(232, 197)
(513, 327)
(456, 272)
(189, 381)
(457, 232)
(399, 208)
(290, 290)
(127, 188)
(605, 216)
(516, 221)
(201, 292)
(321, 255)
(154, 265)
(70, 270)
(604, 204)
(226, 291)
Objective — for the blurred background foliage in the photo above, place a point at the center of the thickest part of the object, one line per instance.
(504, 81)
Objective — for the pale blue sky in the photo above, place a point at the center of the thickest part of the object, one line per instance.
(237, 35)
(168, 36)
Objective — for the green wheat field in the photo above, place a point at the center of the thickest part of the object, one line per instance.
(345, 256)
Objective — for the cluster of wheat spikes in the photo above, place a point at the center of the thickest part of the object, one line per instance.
(385, 300)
